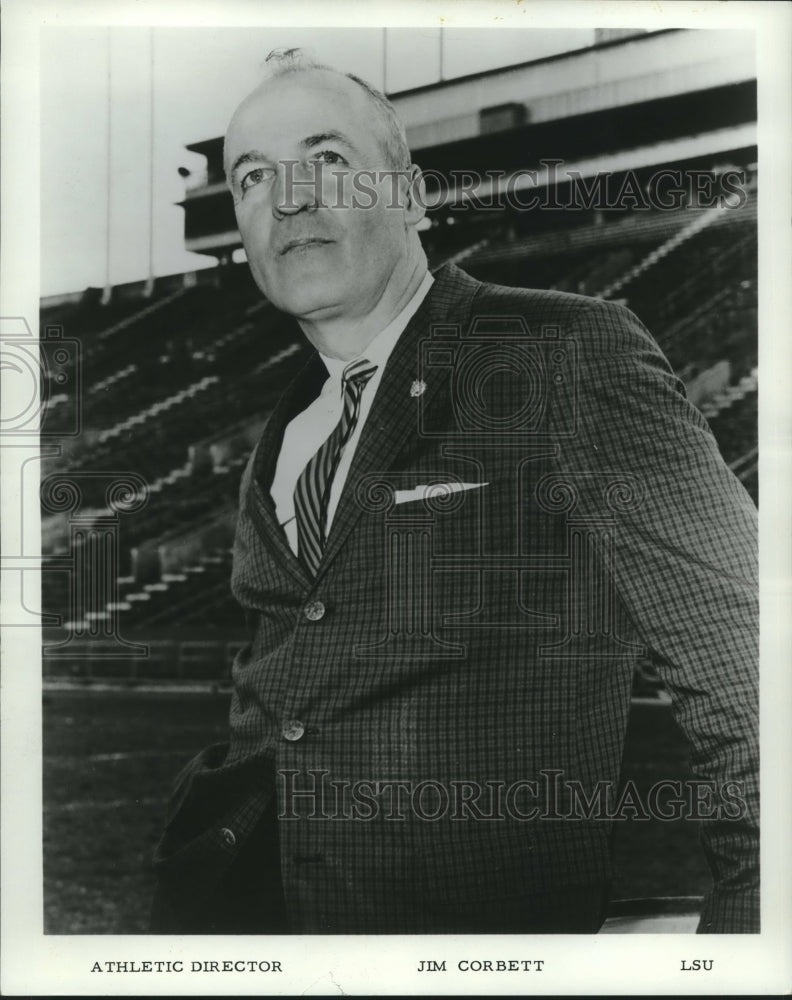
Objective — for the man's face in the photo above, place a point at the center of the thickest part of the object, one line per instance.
(311, 252)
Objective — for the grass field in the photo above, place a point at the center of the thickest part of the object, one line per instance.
(110, 757)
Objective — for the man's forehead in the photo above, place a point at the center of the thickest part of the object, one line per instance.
(297, 105)
(300, 91)
(311, 99)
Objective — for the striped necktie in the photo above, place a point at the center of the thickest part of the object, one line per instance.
(312, 492)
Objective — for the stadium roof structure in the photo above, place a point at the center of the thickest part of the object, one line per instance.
(628, 102)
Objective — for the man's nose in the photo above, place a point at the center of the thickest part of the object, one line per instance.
(298, 188)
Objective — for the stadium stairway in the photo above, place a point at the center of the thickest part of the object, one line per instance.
(699, 223)
(198, 593)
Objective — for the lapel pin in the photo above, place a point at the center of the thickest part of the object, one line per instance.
(418, 388)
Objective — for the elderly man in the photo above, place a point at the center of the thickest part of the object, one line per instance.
(469, 515)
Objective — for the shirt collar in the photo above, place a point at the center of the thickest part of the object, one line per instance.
(380, 348)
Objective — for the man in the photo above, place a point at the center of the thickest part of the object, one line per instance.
(470, 514)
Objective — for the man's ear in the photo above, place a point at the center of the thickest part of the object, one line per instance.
(415, 196)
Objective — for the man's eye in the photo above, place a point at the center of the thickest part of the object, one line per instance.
(253, 177)
(328, 156)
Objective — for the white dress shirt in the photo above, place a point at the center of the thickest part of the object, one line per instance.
(305, 434)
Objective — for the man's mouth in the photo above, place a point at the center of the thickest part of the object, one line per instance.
(303, 242)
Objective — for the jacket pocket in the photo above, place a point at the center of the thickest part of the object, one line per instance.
(214, 805)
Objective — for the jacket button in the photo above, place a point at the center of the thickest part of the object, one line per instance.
(314, 611)
(228, 836)
(293, 731)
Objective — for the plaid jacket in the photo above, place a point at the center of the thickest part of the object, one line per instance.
(438, 710)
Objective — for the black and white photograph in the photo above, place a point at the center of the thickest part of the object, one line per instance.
(384, 554)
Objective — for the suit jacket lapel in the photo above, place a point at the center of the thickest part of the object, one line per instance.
(259, 503)
(393, 415)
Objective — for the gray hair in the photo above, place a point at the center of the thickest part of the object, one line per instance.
(280, 62)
